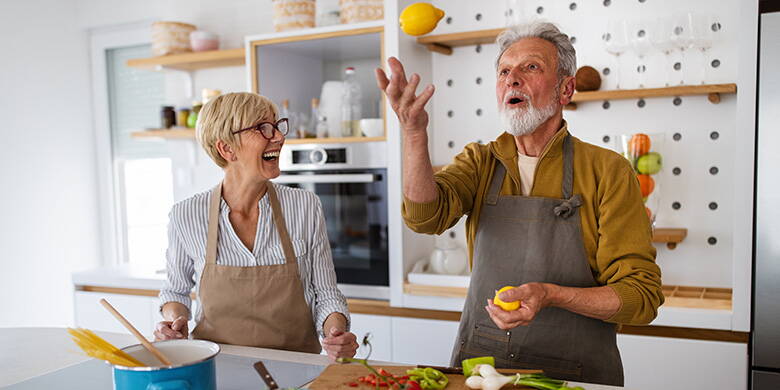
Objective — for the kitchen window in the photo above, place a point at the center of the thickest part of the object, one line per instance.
(142, 178)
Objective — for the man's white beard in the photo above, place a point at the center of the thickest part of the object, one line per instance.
(524, 120)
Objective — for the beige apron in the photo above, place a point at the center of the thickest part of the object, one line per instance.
(258, 306)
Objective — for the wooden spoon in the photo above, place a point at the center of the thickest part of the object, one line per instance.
(156, 352)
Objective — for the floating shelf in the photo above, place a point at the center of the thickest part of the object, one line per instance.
(713, 92)
(172, 133)
(186, 133)
(191, 61)
(443, 43)
(676, 296)
(670, 236)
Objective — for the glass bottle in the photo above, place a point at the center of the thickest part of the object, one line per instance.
(314, 119)
(350, 105)
(284, 112)
(167, 117)
(192, 119)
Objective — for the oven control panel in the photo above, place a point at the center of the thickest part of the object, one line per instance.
(299, 157)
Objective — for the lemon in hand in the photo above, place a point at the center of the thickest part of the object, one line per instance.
(508, 306)
(420, 18)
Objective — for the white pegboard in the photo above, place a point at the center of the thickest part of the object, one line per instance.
(459, 97)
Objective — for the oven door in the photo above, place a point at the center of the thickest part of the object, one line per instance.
(355, 206)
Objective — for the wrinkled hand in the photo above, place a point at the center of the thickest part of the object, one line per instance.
(171, 330)
(338, 344)
(533, 297)
(409, 108)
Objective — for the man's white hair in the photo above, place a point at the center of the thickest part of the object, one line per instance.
(567, 56)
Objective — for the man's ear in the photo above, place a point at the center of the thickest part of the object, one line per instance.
(567, 90)
(226, 151)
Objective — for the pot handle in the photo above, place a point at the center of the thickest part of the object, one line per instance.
(170, 385)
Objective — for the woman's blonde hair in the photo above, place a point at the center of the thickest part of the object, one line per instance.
(223, 115)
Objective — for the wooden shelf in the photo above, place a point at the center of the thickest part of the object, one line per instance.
(669, 236)
(191, 61)
(676, 296)
(187, 133)
(172, 133)
(344, 140)
(713, 92)
(443, 43)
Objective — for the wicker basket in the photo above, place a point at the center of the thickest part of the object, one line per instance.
(293, 14)
(171, 38)
(353, 11)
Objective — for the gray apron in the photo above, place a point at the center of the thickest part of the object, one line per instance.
(533, 239)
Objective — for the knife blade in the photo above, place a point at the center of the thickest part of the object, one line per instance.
(267, 378)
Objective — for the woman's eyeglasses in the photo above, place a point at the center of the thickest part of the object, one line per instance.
(267, 128)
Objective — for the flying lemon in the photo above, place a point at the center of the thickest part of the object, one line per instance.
(420, 18)
(508, 306)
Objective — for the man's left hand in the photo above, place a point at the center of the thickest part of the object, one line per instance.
(532, 296)
(338, 343)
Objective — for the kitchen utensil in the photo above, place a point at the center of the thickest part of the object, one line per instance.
(164, 360)
(267, 378)
(338, 376)
(204, 41)
(193, 367)
(372, 127)
(171, 38)
(448, 258)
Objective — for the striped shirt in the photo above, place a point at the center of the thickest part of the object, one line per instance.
(187, 231)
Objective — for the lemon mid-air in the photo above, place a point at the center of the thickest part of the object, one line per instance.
(420, 18)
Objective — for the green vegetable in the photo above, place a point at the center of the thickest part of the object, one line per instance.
(469, 364)
(428, 378)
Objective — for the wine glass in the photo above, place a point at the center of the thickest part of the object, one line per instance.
(705, 30)
(681, 36)
(661, 38)
(616, 43)
(641, 45)
(515, 12)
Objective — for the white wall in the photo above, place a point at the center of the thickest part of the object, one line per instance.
(48, 217)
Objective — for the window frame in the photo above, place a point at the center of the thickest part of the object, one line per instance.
(111, 205)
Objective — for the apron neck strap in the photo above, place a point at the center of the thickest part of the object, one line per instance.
(281, 226)
(495, 184)
(213, 226)
(212, 237)
(567, 185)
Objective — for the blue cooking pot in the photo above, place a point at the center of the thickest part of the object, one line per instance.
(193, 367)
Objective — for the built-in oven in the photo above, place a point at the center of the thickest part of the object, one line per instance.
(351, 182)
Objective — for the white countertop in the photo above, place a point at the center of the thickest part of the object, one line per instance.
(134, 277)
(30, 352)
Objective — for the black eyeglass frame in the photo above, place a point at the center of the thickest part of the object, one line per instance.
(275, 126)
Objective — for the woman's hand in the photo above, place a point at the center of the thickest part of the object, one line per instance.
(338, 343)
(171, 330)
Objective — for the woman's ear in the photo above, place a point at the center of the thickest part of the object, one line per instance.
(226, 151)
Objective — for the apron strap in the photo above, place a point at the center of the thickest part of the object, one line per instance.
(212, 237)
(281, 227)
(568, 168)
(495, 184)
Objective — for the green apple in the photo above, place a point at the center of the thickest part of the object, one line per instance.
(649, 164)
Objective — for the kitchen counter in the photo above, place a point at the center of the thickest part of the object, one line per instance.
(31, 352)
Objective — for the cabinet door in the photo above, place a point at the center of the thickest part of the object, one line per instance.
(381, 335)
(652, 363)
(417, 341)
(92, 315)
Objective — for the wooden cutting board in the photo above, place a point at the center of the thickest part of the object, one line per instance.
(338, 376)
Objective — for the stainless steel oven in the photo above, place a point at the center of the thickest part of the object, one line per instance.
(351, 182)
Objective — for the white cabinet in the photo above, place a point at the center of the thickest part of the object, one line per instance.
(652, 363)
(417, 341)
(381, 335)
(142, 312)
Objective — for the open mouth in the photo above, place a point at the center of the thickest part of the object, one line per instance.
(514, 100)
(271, 156)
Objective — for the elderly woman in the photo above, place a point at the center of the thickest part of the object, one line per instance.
(256, 253)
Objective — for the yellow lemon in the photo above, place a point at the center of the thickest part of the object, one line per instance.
(420, 18)
(508, 306)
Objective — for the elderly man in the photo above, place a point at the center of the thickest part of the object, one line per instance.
(559, 218)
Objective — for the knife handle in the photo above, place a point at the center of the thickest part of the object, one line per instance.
(444, 370)
(269, 381)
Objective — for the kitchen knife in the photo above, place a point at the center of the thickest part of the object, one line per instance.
(269, 381)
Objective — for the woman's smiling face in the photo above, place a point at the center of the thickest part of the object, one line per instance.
(257, 155)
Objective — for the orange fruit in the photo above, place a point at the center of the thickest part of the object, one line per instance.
(639, 145)
(508, 306)
(646, 184)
